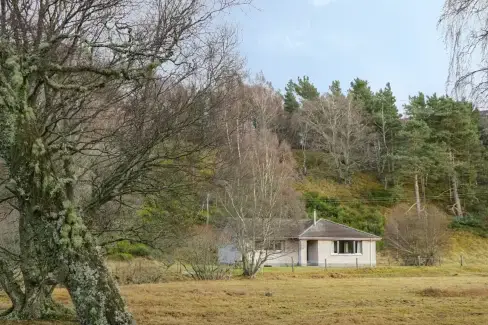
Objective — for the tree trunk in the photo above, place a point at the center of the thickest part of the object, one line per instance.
(417, 196)
(454, 181)
(11, 288)
(61, 248)
(457, 200)
(94, 292)
(36, 269)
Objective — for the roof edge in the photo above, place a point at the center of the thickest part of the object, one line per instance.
(341, 224)
(313, 224)
(341, 238)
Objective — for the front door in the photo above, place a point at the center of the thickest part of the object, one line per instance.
(312, 252)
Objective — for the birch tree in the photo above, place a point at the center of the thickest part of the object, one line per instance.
(339, 129)
(256, 181)
(465, 24)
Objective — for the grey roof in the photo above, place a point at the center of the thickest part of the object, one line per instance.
(329, 229)
(305, 228)
(284, 228)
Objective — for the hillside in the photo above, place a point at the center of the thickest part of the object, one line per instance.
(366, 193)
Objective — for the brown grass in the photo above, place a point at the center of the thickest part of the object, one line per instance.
(266, 300)
(470, 292)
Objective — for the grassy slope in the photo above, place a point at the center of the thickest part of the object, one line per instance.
(473, 248)
(274, 299)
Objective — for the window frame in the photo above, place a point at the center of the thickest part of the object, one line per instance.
(356, 244)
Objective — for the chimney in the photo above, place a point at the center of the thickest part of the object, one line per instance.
(314, 217)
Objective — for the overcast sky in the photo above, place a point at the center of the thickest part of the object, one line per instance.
(377, 40)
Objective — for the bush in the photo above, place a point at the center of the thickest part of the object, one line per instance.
(200, 257)
(472, 223)
(120, 257)
(412, 236)
(125, 250)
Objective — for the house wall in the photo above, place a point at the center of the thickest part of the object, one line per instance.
(229, 255)
(366, 259)
(285, 258)
(297, 249)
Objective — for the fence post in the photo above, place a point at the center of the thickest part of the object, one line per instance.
(325, 264)
(357, 263)
(418, 260)
(462, 260)
(292, 265)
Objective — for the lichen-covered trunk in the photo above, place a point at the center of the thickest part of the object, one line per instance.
(11, 287)
(75, 262)
(34, 302)
(36, 268)
(94, 292)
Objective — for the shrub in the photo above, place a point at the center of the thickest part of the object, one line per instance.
(413, 236)
(471, 223)
(120, 257)
(125, 250)
(200, 257)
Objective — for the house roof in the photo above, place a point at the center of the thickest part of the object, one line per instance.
(329, 229)
(305, 229)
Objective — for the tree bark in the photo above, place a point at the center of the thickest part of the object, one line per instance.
(11, 288)
(457, 200)
(454, 181)
(417, 195)
(94, 292)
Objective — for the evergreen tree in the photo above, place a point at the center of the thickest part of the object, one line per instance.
(455, 128)
(306, 89)
(380, 107)
(291, 104)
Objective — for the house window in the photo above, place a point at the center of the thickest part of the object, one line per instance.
(348, 247)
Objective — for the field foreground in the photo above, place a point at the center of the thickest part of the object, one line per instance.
(406, 300)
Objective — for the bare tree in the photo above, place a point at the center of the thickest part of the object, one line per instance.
(257, 195)
(95, 94)
(465, 25)
(413, 236)
(339, 130)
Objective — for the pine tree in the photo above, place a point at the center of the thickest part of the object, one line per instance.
(305, 89)
(291, 104)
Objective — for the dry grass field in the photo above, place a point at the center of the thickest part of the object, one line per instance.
(380, 296)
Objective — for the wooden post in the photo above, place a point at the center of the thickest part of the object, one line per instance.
(325, 264)
(462, 260)
(357, 263)
(292, 265)
(389, 262)
(418, 260)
